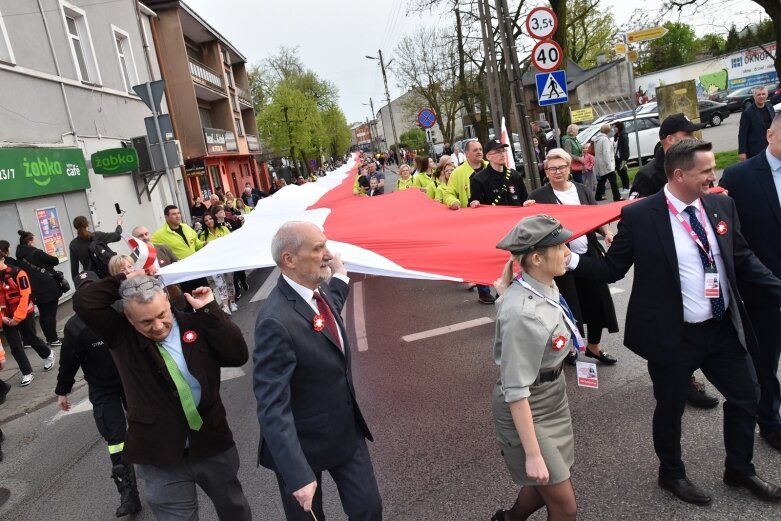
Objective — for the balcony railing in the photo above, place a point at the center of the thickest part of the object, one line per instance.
(205, 76)
(244, 96)
(252, 143)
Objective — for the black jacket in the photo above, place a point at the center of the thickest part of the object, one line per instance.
(622, 146)
(79, 250)
(488, 185)
(654, 317)
(45, 288)
(651, 178)
(81, 348)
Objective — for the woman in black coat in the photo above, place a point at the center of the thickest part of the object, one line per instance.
(621, 140)
(39, 266)
(589, 300)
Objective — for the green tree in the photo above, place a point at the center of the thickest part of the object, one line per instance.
(711, 44)
(591, 31)
(732, 43)
(675, 48)
(414, 139)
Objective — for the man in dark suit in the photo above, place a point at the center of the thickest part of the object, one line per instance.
(754, 124)
(755, 186)
(309, 417)
(169, 363)
(685, 311)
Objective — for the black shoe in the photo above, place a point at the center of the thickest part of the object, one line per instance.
(754, 484)
(600, 198)
(699, 398)
(4, 388)
(486, 299)
(772, 437)
(602, 357)
(685, 490)
(498, 516)
(244, 285)
(238, 295)
(572, 357)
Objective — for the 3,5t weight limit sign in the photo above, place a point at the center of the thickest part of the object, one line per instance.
(541, 23)
(546, 56)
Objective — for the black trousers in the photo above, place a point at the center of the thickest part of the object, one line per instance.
(108, 409)
(357, 489)
(623, 174)
(48, 319)
(767, 326)
(23, 333)
(714, 347)
(611, 178)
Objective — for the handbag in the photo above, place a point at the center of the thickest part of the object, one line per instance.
(58, 276)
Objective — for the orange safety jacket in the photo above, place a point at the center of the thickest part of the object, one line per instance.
(15, 293)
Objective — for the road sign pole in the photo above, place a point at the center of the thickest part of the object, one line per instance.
(168, 174)
(555, 126)
(633, 100)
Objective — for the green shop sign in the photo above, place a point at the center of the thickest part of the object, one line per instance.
(35, 172)
(114, 161)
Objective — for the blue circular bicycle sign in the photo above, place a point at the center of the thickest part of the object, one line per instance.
(427, 118)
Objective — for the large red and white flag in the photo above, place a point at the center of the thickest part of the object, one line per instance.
(509, 150)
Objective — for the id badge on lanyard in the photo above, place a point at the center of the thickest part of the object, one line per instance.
(711, 274)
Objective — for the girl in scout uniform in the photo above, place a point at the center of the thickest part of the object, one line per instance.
(534, 328)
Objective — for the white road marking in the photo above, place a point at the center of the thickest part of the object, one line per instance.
(614, 290)
(229, 373)
(359, 317)
(267, 286)
(83, 406)
(447, 329)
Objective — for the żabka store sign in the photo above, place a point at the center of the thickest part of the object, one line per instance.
(36, 172)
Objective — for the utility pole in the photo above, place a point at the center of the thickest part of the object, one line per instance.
(387, 97)
(374, 122)
(494, 93)
(516, 85)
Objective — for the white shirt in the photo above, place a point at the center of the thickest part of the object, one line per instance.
(696, 307)
(570, 197)
(775, 169)
(309, 296)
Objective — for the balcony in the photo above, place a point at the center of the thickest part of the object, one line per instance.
(208, 83)
(245, 98)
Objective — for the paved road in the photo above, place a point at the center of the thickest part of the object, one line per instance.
(428, 403)
(725, 136)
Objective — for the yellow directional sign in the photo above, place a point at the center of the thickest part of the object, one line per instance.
(582, 115)
(632, 56)
(620, 48)
(646, 34)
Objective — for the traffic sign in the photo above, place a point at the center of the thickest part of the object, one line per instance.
(541, 23)
(581, 115)
(646, 34)
(427, 118)
(632, 56)
(620, 48)
(546, 55)
(551, 88)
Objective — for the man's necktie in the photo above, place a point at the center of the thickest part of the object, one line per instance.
(328, 317)
(717, 304)
(194, 419)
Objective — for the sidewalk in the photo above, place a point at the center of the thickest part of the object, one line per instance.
(24, 400)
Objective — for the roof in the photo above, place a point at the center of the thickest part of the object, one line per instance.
(576, 76)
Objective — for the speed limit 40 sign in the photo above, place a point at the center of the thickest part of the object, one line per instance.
(541, 23)
(546, 56)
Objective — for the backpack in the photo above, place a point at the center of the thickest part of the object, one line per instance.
(100, 255)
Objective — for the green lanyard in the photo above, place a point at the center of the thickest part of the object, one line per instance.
(194, 419)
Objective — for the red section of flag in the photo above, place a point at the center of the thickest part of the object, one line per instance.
(422, 235)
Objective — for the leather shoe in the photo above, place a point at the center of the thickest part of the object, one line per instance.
(697, 396)
(685, 490)
(572, 357)
(498, 516)
(773, 438)
(754, 484)
(602, 357)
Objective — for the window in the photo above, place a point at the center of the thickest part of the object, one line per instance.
(6, 53)
(240, 130)
(80, 40)
(206, 117)
(127, 65)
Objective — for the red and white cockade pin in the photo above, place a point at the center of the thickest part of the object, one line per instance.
(559, 342)
(721, 228)
(318, 323)
(190, 336)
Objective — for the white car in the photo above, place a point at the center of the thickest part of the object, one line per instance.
(778, 107)
(646, 108)
(647, 127)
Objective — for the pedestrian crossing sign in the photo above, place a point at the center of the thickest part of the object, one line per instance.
(551, 88)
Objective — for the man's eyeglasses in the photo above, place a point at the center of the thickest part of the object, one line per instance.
(556, 169)
(144, 286)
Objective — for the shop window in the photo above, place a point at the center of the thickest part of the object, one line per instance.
(127, 64)
(6, 53)
(80, 39)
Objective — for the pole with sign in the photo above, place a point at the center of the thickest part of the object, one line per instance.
(541, 23)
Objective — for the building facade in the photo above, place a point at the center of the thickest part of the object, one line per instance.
(210, 104)
(66, 74)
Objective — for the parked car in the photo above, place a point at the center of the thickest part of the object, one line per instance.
(544, 125)
(712, 113)
(647, 128)
(777, 107)
(719, 96)
(647, 108)
(743, 97)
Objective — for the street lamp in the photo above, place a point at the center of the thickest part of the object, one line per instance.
(387, 96)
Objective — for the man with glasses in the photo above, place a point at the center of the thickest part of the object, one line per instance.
(497, 185)
(169, 362)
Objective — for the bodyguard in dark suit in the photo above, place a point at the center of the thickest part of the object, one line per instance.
(755, 186)
(309, 417)
(754, 123)
(685, 311)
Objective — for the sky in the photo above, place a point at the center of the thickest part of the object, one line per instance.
(334, 36)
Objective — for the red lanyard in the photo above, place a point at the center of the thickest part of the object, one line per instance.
(688, 228)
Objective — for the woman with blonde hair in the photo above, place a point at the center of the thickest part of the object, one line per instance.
(121, 264)
(439, 178)
(405, 179)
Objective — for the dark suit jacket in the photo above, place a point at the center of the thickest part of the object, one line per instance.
(654, 316)
(752, 132)
(750, 184)
(157, 427)
(309, 417)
